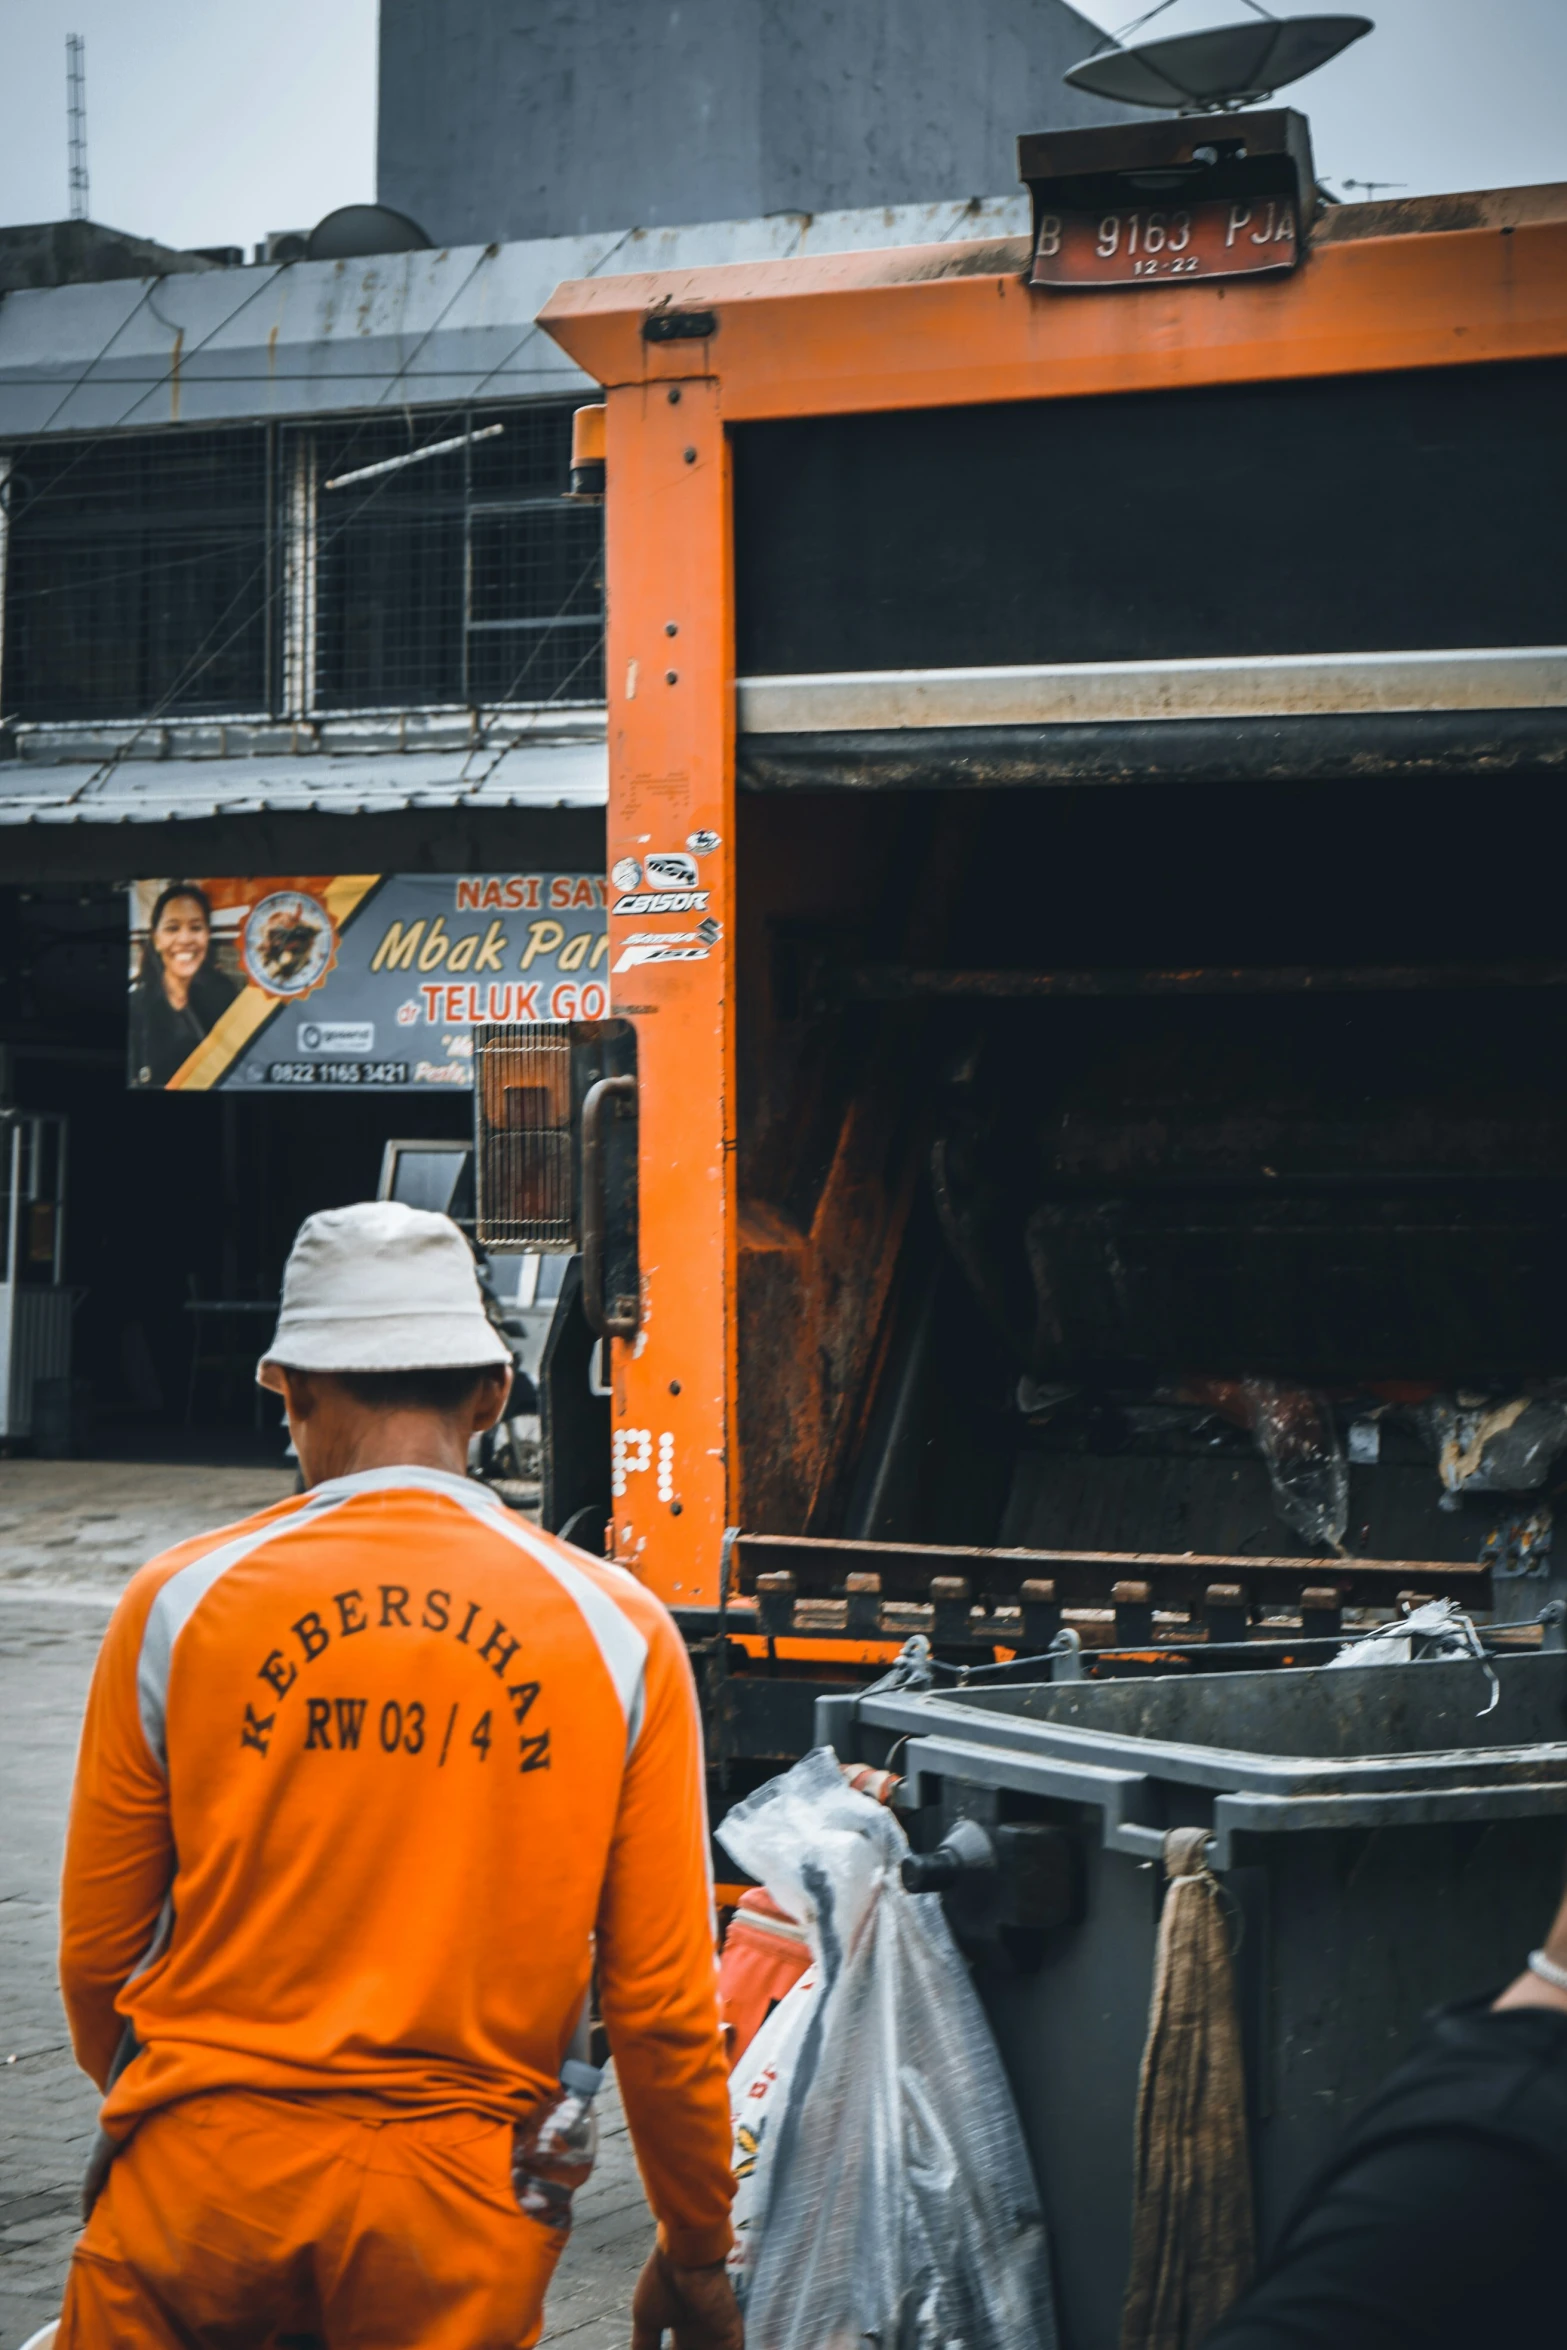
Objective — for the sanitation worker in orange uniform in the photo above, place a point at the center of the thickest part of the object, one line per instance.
(368, 1786)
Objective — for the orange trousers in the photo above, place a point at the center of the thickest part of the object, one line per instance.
(248, 2220)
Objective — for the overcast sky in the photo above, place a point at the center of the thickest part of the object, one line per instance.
(1444, 93)
(212, 121)
(209, 122)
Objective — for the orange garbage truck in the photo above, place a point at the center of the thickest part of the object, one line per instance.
(1074, 1162)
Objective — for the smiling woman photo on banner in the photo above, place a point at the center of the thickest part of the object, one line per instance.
(178, 993)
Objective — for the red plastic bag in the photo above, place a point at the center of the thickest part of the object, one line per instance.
(765, 1953)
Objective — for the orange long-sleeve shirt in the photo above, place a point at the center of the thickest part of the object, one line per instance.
(400, 1766)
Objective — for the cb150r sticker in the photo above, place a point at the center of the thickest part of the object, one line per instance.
(662, 901)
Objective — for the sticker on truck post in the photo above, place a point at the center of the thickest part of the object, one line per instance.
(662, 901)
(668, 946)
(671, 867)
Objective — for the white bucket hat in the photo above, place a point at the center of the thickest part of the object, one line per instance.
(381, 1287)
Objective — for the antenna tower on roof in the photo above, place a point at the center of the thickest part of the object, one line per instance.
(76, 120)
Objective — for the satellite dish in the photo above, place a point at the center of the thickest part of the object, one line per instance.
(1230, 65)
(354, 230)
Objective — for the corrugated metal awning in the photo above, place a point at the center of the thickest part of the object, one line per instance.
(566, 774)
(393, 330)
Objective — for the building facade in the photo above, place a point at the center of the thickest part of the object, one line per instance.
(506, 118)
(289, 586)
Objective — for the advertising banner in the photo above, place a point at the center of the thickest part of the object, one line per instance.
(343, 980)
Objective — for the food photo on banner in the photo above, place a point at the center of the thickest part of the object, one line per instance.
(269, 983)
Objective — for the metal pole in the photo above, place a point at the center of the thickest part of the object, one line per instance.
(5, 550)
(76, 119)
(11, 1144)
(299, 577)
(13, 1199)
(59, 1202)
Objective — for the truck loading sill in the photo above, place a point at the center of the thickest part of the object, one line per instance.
(1419, 746)
(1295, 717)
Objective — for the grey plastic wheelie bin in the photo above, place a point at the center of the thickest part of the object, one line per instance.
(1389, 1845)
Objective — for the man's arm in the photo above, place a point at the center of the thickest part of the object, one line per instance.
(658, 1973)
(1423, 2242)
(119, 1848)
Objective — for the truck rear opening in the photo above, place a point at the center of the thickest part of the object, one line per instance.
(1058, 1127)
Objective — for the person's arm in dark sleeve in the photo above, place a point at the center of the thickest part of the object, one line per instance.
(119, 1849)
(1446, 2239)
(658, 1970)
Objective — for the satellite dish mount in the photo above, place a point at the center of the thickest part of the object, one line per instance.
(1213, 192)
(1173, 202)
(1217, 71)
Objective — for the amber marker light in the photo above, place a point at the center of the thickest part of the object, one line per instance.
(587, 454)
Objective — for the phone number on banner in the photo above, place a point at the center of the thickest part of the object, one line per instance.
(338, 1073)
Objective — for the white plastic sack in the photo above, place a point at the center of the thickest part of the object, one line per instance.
(1438, 1629)
(1439, 1632)
(759, 2089)
(890, 2199)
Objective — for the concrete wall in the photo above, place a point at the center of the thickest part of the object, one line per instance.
(541, 118)
(85, 253)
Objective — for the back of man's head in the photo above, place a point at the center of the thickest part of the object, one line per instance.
(383, 1349)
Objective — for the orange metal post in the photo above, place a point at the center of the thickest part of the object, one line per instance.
(671, 734)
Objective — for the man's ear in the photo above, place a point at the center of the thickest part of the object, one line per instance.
(298, 1390)
(491, 1396)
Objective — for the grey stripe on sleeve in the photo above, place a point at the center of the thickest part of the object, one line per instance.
(178, 1601)
(623, 1648)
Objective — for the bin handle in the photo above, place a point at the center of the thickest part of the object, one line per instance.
(594, 1108)
(1244, 1813)
(1113, 1792)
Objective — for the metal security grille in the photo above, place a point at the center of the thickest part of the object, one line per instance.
(522, 1079)
(140, 575)
(288, 570)
(458, 576)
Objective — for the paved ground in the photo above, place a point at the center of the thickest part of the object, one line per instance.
(82, 1527)
(69, 1535)
(47, 2110)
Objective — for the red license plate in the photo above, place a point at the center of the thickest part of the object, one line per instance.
(1157, 244)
